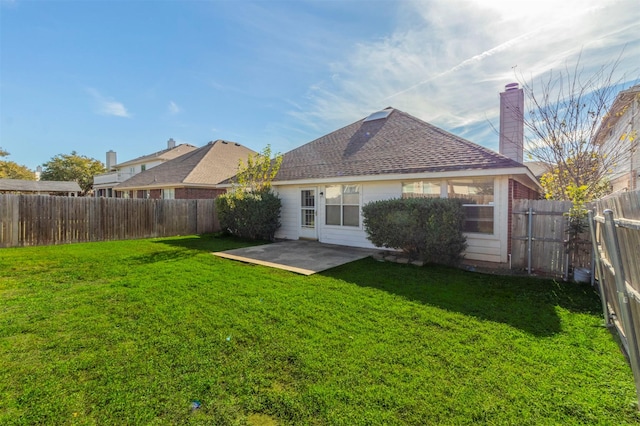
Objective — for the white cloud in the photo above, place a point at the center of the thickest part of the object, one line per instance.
(447, 60)
(108, 106)
(174, 108)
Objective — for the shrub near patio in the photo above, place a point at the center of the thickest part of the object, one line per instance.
(429, 229)
(162, 332)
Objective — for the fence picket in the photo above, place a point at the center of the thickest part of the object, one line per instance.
(30, 220)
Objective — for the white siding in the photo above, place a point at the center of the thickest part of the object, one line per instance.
(490, 248)
(289, 215)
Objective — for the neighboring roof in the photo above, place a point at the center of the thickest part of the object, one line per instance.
(616, 112)
(397, 144)
(38, 186)
(205, 166)
(538, 168)
(165, 155)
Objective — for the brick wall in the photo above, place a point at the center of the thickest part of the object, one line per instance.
(197, 193)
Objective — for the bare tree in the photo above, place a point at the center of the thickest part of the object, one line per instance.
(566, 110)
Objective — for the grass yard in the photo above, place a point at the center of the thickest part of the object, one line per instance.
(162, 332)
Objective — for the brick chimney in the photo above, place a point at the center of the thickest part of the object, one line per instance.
(512, 122)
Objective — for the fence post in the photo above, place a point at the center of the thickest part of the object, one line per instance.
(598, 268)
(613, 248)
(529, 239)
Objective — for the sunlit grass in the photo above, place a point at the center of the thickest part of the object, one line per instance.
(162, 332)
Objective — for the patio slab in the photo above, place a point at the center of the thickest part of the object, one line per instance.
(300, 256)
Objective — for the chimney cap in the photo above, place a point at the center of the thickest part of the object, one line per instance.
(511, 86)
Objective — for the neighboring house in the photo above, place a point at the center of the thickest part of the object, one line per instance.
(538, 168)
(117, 173)
(39, 187)
(391, 154)
(191, 176)
(621, 129)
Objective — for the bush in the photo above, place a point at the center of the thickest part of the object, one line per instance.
(254, 215)
(429, 229)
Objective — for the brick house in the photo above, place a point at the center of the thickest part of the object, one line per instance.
(194, 175)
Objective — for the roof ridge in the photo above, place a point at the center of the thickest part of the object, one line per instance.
(460, 138)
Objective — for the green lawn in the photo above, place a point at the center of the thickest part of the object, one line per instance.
(137, 332)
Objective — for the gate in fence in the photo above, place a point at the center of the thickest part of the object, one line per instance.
(539, 239)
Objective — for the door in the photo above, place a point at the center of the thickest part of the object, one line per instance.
(308, 214)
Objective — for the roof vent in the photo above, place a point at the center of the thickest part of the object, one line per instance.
(379, 115)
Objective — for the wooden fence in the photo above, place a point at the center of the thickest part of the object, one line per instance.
(615, 232)
(539, 239)
(32, 220)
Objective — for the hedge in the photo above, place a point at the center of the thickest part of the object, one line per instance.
(254, 215)
(429, 229)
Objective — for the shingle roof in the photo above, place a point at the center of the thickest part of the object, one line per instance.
(207, 165)
(398, 144)
(38, 186)
(165, 154)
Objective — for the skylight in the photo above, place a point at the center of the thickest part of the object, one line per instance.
(378, 115)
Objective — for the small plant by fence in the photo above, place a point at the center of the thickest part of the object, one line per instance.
(615, 232)
(32, 220)
(540, 240)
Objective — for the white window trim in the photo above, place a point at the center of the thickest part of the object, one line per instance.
(444, 193)
(325, 204)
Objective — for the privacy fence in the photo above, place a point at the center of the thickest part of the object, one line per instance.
(540, 240)
(615, 232)
(32, 220)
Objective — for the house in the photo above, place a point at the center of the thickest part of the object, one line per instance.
(103, 184)
(391, 154)
(191, 176)
(39, 187)
(618, 135)
(538, 168)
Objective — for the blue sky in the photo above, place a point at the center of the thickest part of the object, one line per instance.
(92, 76)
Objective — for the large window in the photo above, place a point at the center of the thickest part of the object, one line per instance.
(478, 203)
(421, 189)
(477, 195)
(343, 205)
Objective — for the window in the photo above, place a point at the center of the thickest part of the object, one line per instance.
(169, 193)
(421, 189)
(478, 203)
(477, 195)
(343, 205)
(143, 167)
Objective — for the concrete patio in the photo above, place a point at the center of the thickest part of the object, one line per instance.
(299, 256)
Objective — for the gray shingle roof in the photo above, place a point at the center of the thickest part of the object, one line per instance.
(38, 186)
(398, 144)
(165, 154)
(208, 165)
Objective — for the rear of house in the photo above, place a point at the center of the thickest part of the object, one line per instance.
(391, 154)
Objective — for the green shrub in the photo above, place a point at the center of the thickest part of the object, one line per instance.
(429, 229)
(253, 215)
